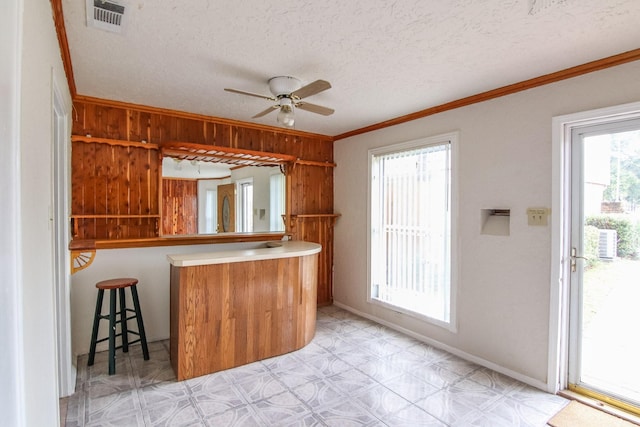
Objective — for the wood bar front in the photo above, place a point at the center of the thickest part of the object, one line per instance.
(225, 315)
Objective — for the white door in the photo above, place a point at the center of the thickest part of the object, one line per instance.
(604, 314)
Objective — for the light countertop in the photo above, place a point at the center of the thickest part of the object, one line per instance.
(267, 250)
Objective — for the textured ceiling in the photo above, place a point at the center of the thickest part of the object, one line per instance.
(383, 58)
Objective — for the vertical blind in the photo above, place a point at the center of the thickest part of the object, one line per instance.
(276, 202)
(245, 220)
(410, 219)
(210, 212)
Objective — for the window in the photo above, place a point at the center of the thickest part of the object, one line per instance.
(245, 204)
(210, 211)
(410, 228)
(276, 201)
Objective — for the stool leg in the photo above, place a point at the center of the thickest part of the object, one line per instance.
(124, 334)
(136, 307)
(96, 324)
(112, 332)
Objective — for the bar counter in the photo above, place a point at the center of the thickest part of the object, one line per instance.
(230, 308)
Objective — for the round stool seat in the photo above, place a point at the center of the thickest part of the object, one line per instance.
(116, 283)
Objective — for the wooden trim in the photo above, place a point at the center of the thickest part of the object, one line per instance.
(187, 240)
(315, 163)
(316, 216)
(108, 216)
(160, 194)
(82, 245)
(63, 42)
(90, 140)
(173, 178)
(194, 116)
(205, 179)
(610, 400)
(600, 405)
(600, 64)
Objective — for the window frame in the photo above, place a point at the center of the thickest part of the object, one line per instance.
(452, 139)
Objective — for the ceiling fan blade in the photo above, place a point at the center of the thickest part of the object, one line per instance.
(270, 98)
(318, 109)
(265, 112)
(311, 89)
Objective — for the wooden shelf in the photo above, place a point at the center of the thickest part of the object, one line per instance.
(310, 217)
(202, 239)
(107, 216)
(315, 163)
(316, 216)
(215, 154)
(90, 139)
(82, 245)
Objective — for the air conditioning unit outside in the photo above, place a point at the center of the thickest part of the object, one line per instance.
(607, 244)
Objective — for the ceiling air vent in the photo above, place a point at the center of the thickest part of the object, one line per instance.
(105, 15)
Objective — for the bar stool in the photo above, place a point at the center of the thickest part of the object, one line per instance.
(118, 285)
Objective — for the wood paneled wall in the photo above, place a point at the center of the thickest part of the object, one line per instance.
(114, 191)
(156, 126)
(311, 185)
(311, 190)
(179, 206)
(319, 229)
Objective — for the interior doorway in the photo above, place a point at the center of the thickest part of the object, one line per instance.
(604, 261)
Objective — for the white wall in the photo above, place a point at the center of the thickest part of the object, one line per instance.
(504, 162)
(41, 65)
(11, 366)
(150, 267)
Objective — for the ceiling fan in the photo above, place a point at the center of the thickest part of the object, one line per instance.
(288, 94)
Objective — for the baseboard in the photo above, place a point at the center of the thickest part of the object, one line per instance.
(462, 354)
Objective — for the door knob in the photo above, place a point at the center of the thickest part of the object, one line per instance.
(575, 258)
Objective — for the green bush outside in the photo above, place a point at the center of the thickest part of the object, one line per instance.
(628, 235)
(591, 239)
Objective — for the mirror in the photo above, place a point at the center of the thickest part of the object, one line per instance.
(224, 198)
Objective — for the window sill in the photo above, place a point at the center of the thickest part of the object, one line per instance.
(451, 327)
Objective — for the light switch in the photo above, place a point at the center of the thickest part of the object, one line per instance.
(537, 216)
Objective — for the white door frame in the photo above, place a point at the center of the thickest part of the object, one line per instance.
(61, 256)
(562, 126)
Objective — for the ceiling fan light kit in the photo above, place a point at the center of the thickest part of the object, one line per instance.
(286, 116)
(288, 92)
(283, 85)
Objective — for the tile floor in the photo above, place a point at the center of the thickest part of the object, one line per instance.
(354, 373)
